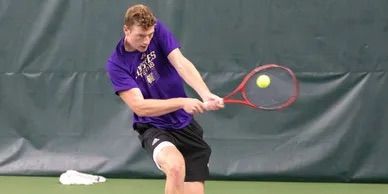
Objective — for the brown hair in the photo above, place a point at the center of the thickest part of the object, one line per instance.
(139, 15)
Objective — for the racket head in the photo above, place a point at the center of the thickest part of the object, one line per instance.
(282, 91)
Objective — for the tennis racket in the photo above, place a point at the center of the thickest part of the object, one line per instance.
(281, 92)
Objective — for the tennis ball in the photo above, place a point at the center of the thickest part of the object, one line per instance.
(263, 81)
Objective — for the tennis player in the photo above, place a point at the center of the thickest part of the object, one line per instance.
(147, 70)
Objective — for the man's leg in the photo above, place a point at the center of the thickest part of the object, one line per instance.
(172, 164)
(194, 188)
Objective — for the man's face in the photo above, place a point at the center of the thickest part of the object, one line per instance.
(138, 38)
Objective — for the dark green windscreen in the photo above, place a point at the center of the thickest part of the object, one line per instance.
(58, 111)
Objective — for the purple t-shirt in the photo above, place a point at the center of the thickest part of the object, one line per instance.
(153, 74)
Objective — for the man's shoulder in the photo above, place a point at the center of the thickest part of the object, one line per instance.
(117, 55)
(160, 26)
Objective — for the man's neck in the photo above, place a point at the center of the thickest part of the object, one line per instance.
(127, 46)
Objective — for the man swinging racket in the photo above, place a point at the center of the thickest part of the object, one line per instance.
(147, 70)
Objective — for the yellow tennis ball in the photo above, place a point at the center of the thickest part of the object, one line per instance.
(263, 81)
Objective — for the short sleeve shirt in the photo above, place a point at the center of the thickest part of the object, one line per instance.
(153, 74)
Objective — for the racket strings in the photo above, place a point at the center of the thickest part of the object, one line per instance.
(280, 92)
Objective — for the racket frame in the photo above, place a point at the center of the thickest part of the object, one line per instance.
(245, 100)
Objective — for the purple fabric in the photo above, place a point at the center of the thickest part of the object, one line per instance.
(153, 74)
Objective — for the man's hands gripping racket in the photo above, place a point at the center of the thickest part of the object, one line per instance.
(267, 87)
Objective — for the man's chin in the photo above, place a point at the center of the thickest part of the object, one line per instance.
(142, 49)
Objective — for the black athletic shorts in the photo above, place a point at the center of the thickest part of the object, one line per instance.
(189, 141)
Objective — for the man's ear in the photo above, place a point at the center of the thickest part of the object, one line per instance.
(126, 29)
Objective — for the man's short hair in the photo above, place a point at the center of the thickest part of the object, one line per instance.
(140, 15)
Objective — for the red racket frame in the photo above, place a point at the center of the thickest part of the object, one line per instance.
(245, 100)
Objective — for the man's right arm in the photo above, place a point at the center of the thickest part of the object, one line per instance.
(157, 107)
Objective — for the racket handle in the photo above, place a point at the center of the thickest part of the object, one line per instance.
(206, 104)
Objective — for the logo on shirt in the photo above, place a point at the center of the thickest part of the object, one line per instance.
(155, 141)
(147, 69)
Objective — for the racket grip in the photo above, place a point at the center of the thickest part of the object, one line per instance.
(206, 104)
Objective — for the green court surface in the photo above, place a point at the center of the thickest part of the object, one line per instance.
(50, 185)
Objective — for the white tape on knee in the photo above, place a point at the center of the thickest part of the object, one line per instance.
(158, 149)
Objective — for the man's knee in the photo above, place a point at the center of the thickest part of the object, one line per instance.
(176, 170)
(171, 162)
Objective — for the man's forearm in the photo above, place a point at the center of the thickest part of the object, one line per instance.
(150, 107)
(154, 107)
(192, 77)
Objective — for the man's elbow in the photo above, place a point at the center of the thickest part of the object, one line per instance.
(140, 111)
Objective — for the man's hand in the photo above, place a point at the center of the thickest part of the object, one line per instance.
(193, 106)
(213, 102)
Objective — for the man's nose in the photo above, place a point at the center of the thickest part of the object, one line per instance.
(147, 40)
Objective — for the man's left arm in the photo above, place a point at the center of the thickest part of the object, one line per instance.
(191, 76)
